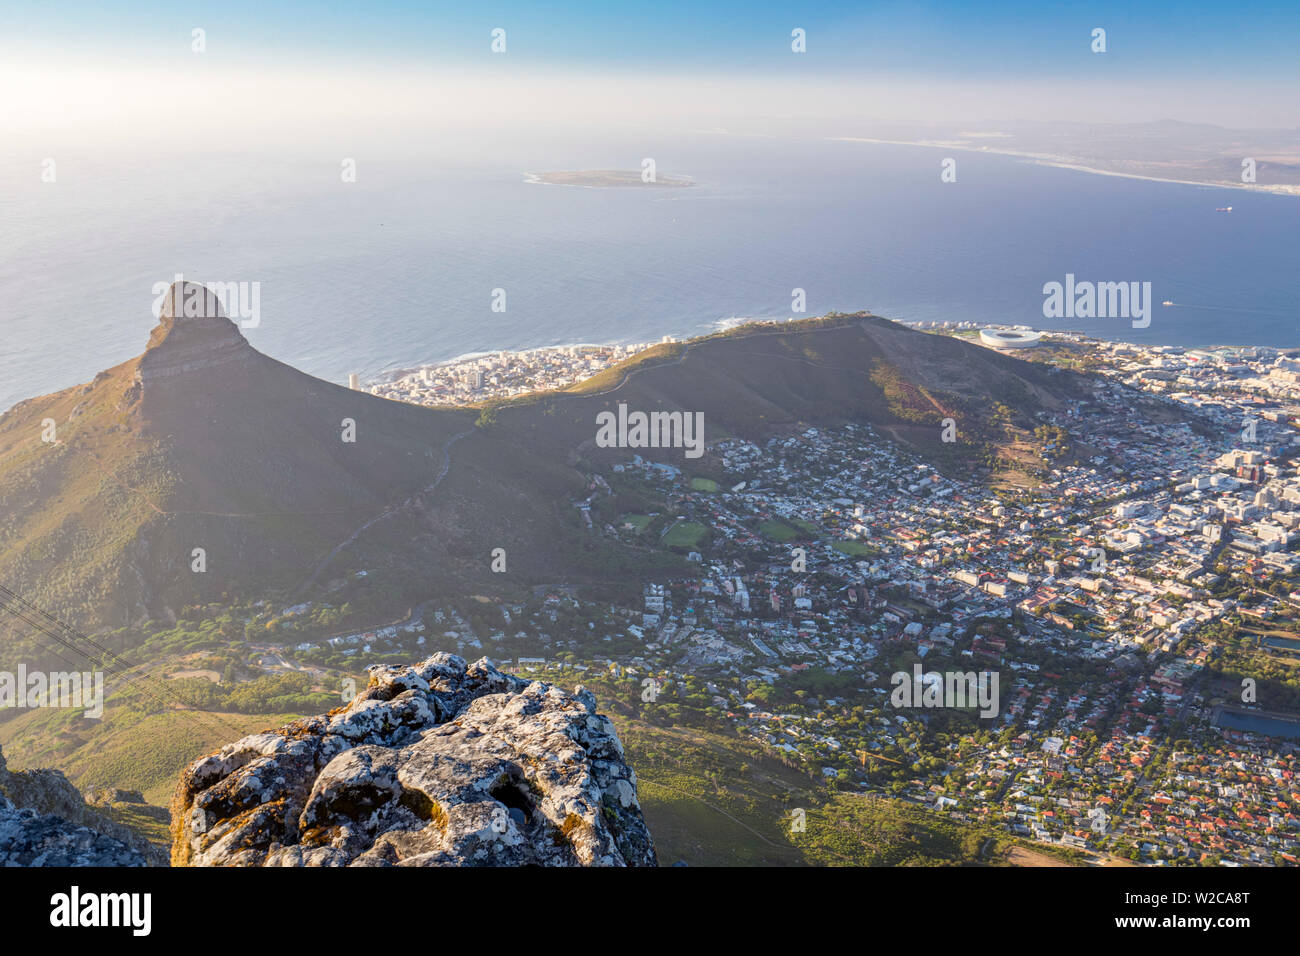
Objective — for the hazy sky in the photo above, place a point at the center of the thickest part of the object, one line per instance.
(126, 72)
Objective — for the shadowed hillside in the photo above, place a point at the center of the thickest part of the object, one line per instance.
(203, 442)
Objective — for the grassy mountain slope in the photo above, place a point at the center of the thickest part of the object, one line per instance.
(757, 380)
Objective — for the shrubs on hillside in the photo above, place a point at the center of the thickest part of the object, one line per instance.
(272, 694)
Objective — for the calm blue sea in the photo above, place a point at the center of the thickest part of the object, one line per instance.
(398, 268)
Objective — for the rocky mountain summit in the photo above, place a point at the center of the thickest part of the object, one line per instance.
(193, 334)
(436, 764)
(44, 821)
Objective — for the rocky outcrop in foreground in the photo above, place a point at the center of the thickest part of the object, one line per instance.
(28, 838)
(44, 822)
(438, 764)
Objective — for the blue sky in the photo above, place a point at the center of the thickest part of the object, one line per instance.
(1013, 39)
(297, 68)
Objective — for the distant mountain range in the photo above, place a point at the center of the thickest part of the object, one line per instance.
(204, 471)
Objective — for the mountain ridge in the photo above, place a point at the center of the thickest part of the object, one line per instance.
(203, 444)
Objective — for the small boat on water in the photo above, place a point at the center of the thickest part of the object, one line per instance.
(1224, 209)
(1166, 302)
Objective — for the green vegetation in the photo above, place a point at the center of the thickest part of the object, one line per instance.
(271, 694)
(151, 825)
(1053, 440)
(615, 375)
(1246, 655)
(639, 522)
(789, 529)
(685, 534)
(858, 830)
(713, 801)
(855, 549)
(703, 484)
(907, 400)
(127, 749)
(669, 353)
(780, 531)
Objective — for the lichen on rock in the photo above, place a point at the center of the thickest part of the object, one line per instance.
(437, 764)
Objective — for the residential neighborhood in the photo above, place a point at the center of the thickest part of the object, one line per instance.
(1122, 603)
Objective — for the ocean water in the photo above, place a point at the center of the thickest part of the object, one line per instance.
(399, 268)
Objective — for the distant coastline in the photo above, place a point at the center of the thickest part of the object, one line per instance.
(614, 352)
(1067, 162)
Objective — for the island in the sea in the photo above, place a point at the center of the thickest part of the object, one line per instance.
(605, 178)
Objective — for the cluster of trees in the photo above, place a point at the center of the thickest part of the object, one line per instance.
(906, 401)
(272, 694)
(1055, 436)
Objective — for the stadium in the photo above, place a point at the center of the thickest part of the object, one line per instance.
(1010, 338)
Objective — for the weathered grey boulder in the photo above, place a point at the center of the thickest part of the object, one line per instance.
(44, 821)
(432, 765)
(28, 838)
